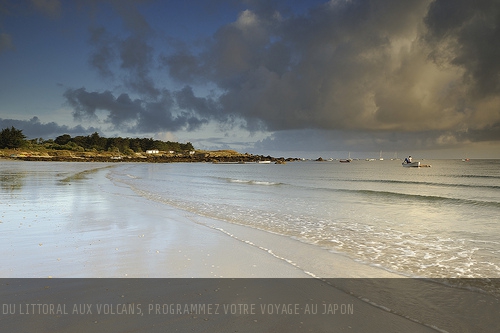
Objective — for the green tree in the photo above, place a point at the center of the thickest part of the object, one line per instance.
(187, 146)
(97, 142)
(80, 141)
(63, 139)
(12, 138)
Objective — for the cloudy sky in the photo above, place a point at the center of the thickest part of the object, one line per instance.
(283, 77)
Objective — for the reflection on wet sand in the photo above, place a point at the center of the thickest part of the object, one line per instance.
(10, 182)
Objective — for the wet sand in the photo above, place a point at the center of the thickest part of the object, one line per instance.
(208, 305)
(69, 224)
(83, 226)
(64, 221)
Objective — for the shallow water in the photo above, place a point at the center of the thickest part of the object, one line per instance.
(117, 220)
(69, 220)
(439, 222)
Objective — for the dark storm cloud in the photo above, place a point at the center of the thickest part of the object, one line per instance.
(132, 115)
(159, 116)
(205, 106)
(428, 68)
(131, 58)
(136, 59)
(104, 53)
(33, 128)
(467, 34)
(380, 66)
(317, 70)
(128, 61)
(135, 51)
(488, 133)
(183, 66)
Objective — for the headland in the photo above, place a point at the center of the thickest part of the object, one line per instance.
(155, 156)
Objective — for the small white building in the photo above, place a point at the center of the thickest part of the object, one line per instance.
(191, 152)
(152, 151)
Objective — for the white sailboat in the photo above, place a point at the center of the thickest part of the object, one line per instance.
(395, 158)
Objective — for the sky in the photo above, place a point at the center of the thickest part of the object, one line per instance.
(289, 78)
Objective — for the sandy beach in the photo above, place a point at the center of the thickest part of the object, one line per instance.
(81, 225)
(65, 227)
(78, 228)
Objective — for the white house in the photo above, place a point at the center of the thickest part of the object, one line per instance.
(152, 151)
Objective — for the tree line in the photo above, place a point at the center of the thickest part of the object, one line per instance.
(14, 138)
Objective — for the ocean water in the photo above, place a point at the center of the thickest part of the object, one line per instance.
(437, 222)
(110, 220)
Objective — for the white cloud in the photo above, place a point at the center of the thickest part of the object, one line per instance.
(246, 19)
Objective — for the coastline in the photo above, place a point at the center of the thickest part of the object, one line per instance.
(71, 221)
(219, 156)
(78, 249)
(75, 225)
(66, 224)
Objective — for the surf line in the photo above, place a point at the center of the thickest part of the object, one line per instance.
(325, 280)
(262, 248)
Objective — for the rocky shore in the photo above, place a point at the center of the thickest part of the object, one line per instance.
(219, 156)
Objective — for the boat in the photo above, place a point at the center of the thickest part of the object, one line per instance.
(346, 160)
(416, 165)
(412, 164)
(263, 162)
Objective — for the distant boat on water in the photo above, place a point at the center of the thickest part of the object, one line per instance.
(346, 160)
(411, 165)
(415, 165)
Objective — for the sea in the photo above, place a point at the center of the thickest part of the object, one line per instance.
(439, 225)
(441, 221)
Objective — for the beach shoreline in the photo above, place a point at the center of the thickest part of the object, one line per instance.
(73, 235)
(217, 156)
(97, 221)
